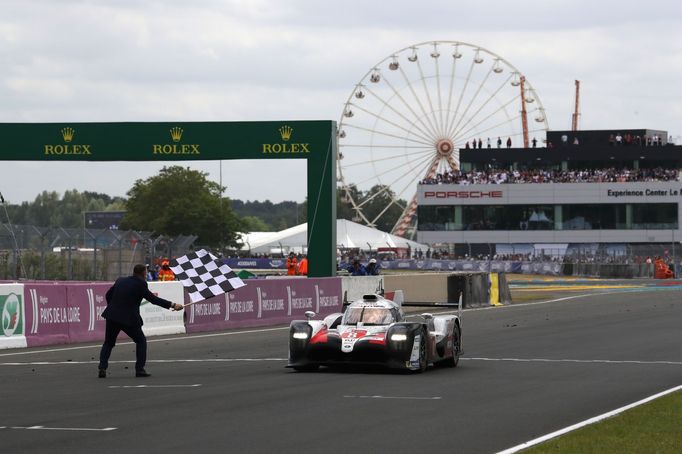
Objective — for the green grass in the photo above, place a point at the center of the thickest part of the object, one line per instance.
(655, 427)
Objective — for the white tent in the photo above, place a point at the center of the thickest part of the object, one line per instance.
(348, 235)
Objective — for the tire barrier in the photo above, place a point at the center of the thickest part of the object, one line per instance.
(609, 270)
(505, 293)
(477, 290)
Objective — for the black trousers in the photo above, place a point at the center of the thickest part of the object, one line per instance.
(135, 333)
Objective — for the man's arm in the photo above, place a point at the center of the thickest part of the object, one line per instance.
(149, 296)
(107, 296)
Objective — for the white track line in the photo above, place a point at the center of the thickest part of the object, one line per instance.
(394, 397)
(207, 360)
(246, 360)
(589, 361)
(196, 385)
(87, 429)
(587, 422)
(169, 339)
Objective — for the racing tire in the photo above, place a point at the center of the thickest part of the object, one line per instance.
(308, 368)
(456, 348)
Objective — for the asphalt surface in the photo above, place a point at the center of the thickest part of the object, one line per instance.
(527, 371)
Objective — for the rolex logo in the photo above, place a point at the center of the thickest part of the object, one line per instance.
(176, 147)
(176, 134)
(67, 148)
(67, 134)
(285, 132)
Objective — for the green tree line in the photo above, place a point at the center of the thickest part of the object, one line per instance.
(179, 200)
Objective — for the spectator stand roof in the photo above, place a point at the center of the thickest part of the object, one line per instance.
(349, 235)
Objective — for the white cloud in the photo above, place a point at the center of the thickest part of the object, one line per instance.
(130, 60)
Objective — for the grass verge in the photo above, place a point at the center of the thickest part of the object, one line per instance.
(655, 427)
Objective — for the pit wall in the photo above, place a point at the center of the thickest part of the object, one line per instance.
(40, 313)
(49, 313)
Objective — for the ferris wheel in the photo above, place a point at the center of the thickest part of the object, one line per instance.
(411, 113)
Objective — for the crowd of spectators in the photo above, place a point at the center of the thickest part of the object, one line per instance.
(627, 139)
(609, 175)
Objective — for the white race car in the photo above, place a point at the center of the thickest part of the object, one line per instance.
(374, 330)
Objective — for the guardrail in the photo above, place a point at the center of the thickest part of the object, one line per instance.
(48, 313)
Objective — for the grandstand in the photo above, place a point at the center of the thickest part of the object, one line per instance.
(609, 189)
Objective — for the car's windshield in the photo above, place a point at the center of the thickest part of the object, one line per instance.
(368, 316)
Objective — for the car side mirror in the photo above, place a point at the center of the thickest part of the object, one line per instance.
(427, 316)
(309, 315)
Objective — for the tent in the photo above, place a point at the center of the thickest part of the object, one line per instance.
(349, 235)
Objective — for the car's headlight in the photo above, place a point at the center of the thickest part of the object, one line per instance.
(300, 335)
(399, 337)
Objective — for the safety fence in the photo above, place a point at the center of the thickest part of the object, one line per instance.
(551, 268)
(46, 313)
(496, 266)
(55, 253)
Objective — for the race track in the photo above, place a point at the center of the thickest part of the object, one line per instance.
(528, 370)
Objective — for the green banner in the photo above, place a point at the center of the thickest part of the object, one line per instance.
(163, 141)
(187, 141)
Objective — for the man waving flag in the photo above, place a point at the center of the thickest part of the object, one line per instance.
(204, 275)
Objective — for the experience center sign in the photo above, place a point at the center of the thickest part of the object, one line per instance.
(314, 141)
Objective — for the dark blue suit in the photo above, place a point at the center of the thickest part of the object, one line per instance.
(123, 314)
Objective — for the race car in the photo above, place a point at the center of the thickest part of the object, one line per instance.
(374, 331)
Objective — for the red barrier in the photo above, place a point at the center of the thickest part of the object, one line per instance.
(265, 302)
(47, 315)
(89, 301)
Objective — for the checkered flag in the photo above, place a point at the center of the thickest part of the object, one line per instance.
(204, 275)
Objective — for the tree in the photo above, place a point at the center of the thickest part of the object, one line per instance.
(378, 202)
(276, 216)
(344, 207)
(44, 209)
(48, 210)
(254, 224)
(182, 201)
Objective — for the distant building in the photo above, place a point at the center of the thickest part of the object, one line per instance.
(108, 220)
(559, 213)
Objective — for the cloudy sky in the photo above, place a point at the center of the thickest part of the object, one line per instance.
(231, 60)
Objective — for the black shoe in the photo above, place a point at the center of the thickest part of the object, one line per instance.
(142, 373)
(102, 373)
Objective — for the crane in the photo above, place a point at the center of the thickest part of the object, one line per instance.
(576, 112)
(524, 115)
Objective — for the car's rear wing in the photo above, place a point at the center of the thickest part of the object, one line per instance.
(458, 305)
